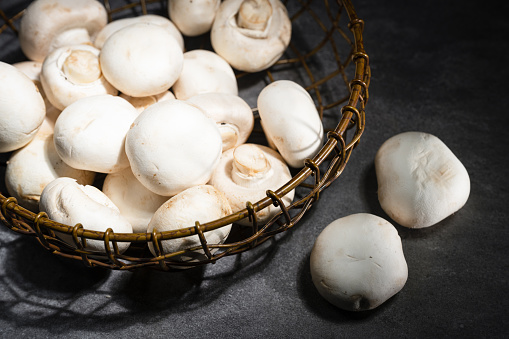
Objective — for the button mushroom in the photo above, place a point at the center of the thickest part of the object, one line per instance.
(49, 24)
(90, 133)
(246, 172)
(67, 202)
(116, 25)
(420, 181)
(32, 167)
(141, 59)
(141, 103)
(22, 109)
(251, 34)
(193, 17)
(173, 146)
(204, 72)
(135, 202)
(290, 121)
(357, 262)
(231, 113)
(201, 203)
(71, 73)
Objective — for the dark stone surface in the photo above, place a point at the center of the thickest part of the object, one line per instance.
(438, 67)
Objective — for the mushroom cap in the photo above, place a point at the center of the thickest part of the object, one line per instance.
(22, 110)
(172, 146)
(420, 181)
(357, 262)
(34, 166)
(204, 72)
(201, 203)
(67, 202)
(290, 120)
(45, 20)
(231, 113)
(60, 89)
(135, 202)
(116, 25)
(90, 133)
(193, 17)
(254, 186)
(141, 103)
(250, 50)
(141, 59)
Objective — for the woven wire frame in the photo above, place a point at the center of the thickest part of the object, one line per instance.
(334, 70)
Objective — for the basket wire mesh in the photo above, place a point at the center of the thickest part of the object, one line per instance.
(335, 76)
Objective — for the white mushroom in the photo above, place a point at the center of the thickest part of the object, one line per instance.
(135, 202)
(141, 59)
(204, 72)
(67, 202)
(290, 121)
(32, 69)
(90, 133)
(246, 172)
(71, 73)
(49, 24)
(357, 262)
(251, 34)
(201, 203)
(193, 17)
(172, 146)
(141, 103)
(116, 25)
(22, 109)
(32, 167)
(231, 113)
(420, 181)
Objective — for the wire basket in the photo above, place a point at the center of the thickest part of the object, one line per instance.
(334, 69)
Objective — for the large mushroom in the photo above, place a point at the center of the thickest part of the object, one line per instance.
(290, 121)
(232, 115)
(202, 203)
(22, 109)
(49, 24)
(141, 59)
(193, 17)
(246, 172)
(251, 34)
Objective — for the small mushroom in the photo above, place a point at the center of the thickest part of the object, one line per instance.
(173, 146)
(193, 17)
(420, 181)
(141, 59)
(290, 121)
(22, 109)
(232, 115)
(135, 202)
(141, 103)
(246, 172)
(251, 34)
(32, 69)
(49, 24)
(204, 72)
(201, 203)
(357, 262)
(116, 25)
(67, 202)
(90, 133)
(71, 73)
(32, 167)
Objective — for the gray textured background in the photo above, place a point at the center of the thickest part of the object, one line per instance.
(438, 67)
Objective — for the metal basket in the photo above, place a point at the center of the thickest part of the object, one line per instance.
(334, 69)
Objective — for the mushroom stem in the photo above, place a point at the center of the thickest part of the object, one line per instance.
(250, 166)
(81, 67)
(229, 134)
(254, 14)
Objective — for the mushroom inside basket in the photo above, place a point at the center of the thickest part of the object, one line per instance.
(201, 141)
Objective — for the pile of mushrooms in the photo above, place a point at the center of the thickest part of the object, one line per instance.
(166, 125)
